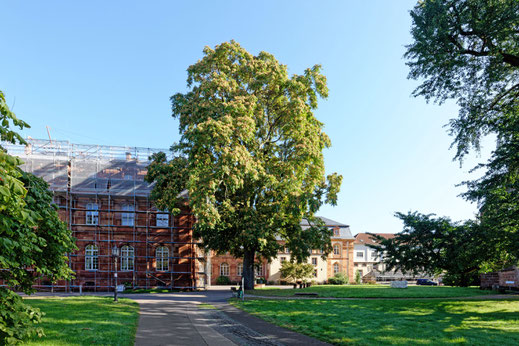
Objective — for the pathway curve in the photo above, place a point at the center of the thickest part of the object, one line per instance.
(189, 319)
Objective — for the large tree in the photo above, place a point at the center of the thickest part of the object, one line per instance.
(33, 240)
(436, 245)
(253, 156)
(468, 50)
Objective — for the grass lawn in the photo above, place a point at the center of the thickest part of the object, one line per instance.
(374, 322)
(376, 291)
(86, 321)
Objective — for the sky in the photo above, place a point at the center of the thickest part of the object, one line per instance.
(102, 72)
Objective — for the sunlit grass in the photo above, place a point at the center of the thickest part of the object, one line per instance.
(375, 291)
(373, 322)
(86, 321)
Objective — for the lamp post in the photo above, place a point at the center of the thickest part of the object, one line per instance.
(115, 255)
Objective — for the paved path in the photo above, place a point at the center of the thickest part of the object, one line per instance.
(188, 319)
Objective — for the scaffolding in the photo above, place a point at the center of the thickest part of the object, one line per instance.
(103, 197)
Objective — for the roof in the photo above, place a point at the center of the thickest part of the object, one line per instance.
(327, 222)
(366, 239)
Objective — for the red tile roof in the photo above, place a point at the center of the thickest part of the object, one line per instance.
(364, 238)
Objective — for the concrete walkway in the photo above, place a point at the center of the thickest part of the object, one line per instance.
(190, 318)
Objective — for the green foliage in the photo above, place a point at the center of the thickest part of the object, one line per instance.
(358, 278)
(437, 245)
(339, 279)
(170, 179)
(223, 280)
(6, 118)
(251, 156)
(33, 240)
(468, 50)
(294, 272)
(17, 320)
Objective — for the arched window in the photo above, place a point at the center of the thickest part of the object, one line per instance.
(162, 258)
(91, 262)
(92, 214)
(239, 269)
(336, 249)
(336, 268)
(127, 255)
(224, 269)
(128, 218)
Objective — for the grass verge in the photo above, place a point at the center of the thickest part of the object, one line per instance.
(370, 322)
(86, 321)
(376, 291)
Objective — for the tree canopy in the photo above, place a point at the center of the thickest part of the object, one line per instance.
(468, 51)
(33, 240)
(436, 245)
(253, 154)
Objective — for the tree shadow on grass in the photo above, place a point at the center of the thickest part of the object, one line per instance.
(399, 322)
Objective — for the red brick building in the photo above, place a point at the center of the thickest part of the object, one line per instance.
(103, 198)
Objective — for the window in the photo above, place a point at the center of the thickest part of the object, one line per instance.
(360, 272)
(282, 259)
(258, 271)
(127, 219)
(336, 232)
(224, 269)
(162, 258)
(239, 269)
(127, 256)
(336, 249)
(91, 262)
(314, 261)
(315, 273)
(162, 219)
(287, 250)
(360, 254)
(92, 214)
(336, 268)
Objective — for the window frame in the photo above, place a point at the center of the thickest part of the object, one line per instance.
(225, 269)
(91, 257)
(338, 248)
(336, 268)
(239, 269)
(162, 259)
(128, 215)
(162, 218)
(127, 258)
(92, 214)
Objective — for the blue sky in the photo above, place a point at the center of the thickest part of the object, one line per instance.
(102, 72)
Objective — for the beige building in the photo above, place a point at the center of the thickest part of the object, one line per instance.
(340, 260)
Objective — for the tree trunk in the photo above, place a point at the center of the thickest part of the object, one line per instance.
(248, 269)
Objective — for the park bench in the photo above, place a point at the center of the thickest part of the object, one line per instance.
(306, 294)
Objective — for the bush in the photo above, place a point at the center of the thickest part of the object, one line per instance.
(338, 279)
(223, 280)
(358, 278)
(17, 320)
(261, 280)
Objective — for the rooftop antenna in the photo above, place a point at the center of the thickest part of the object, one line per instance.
(48, 132)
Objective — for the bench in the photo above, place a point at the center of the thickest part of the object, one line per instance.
(306, 294)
